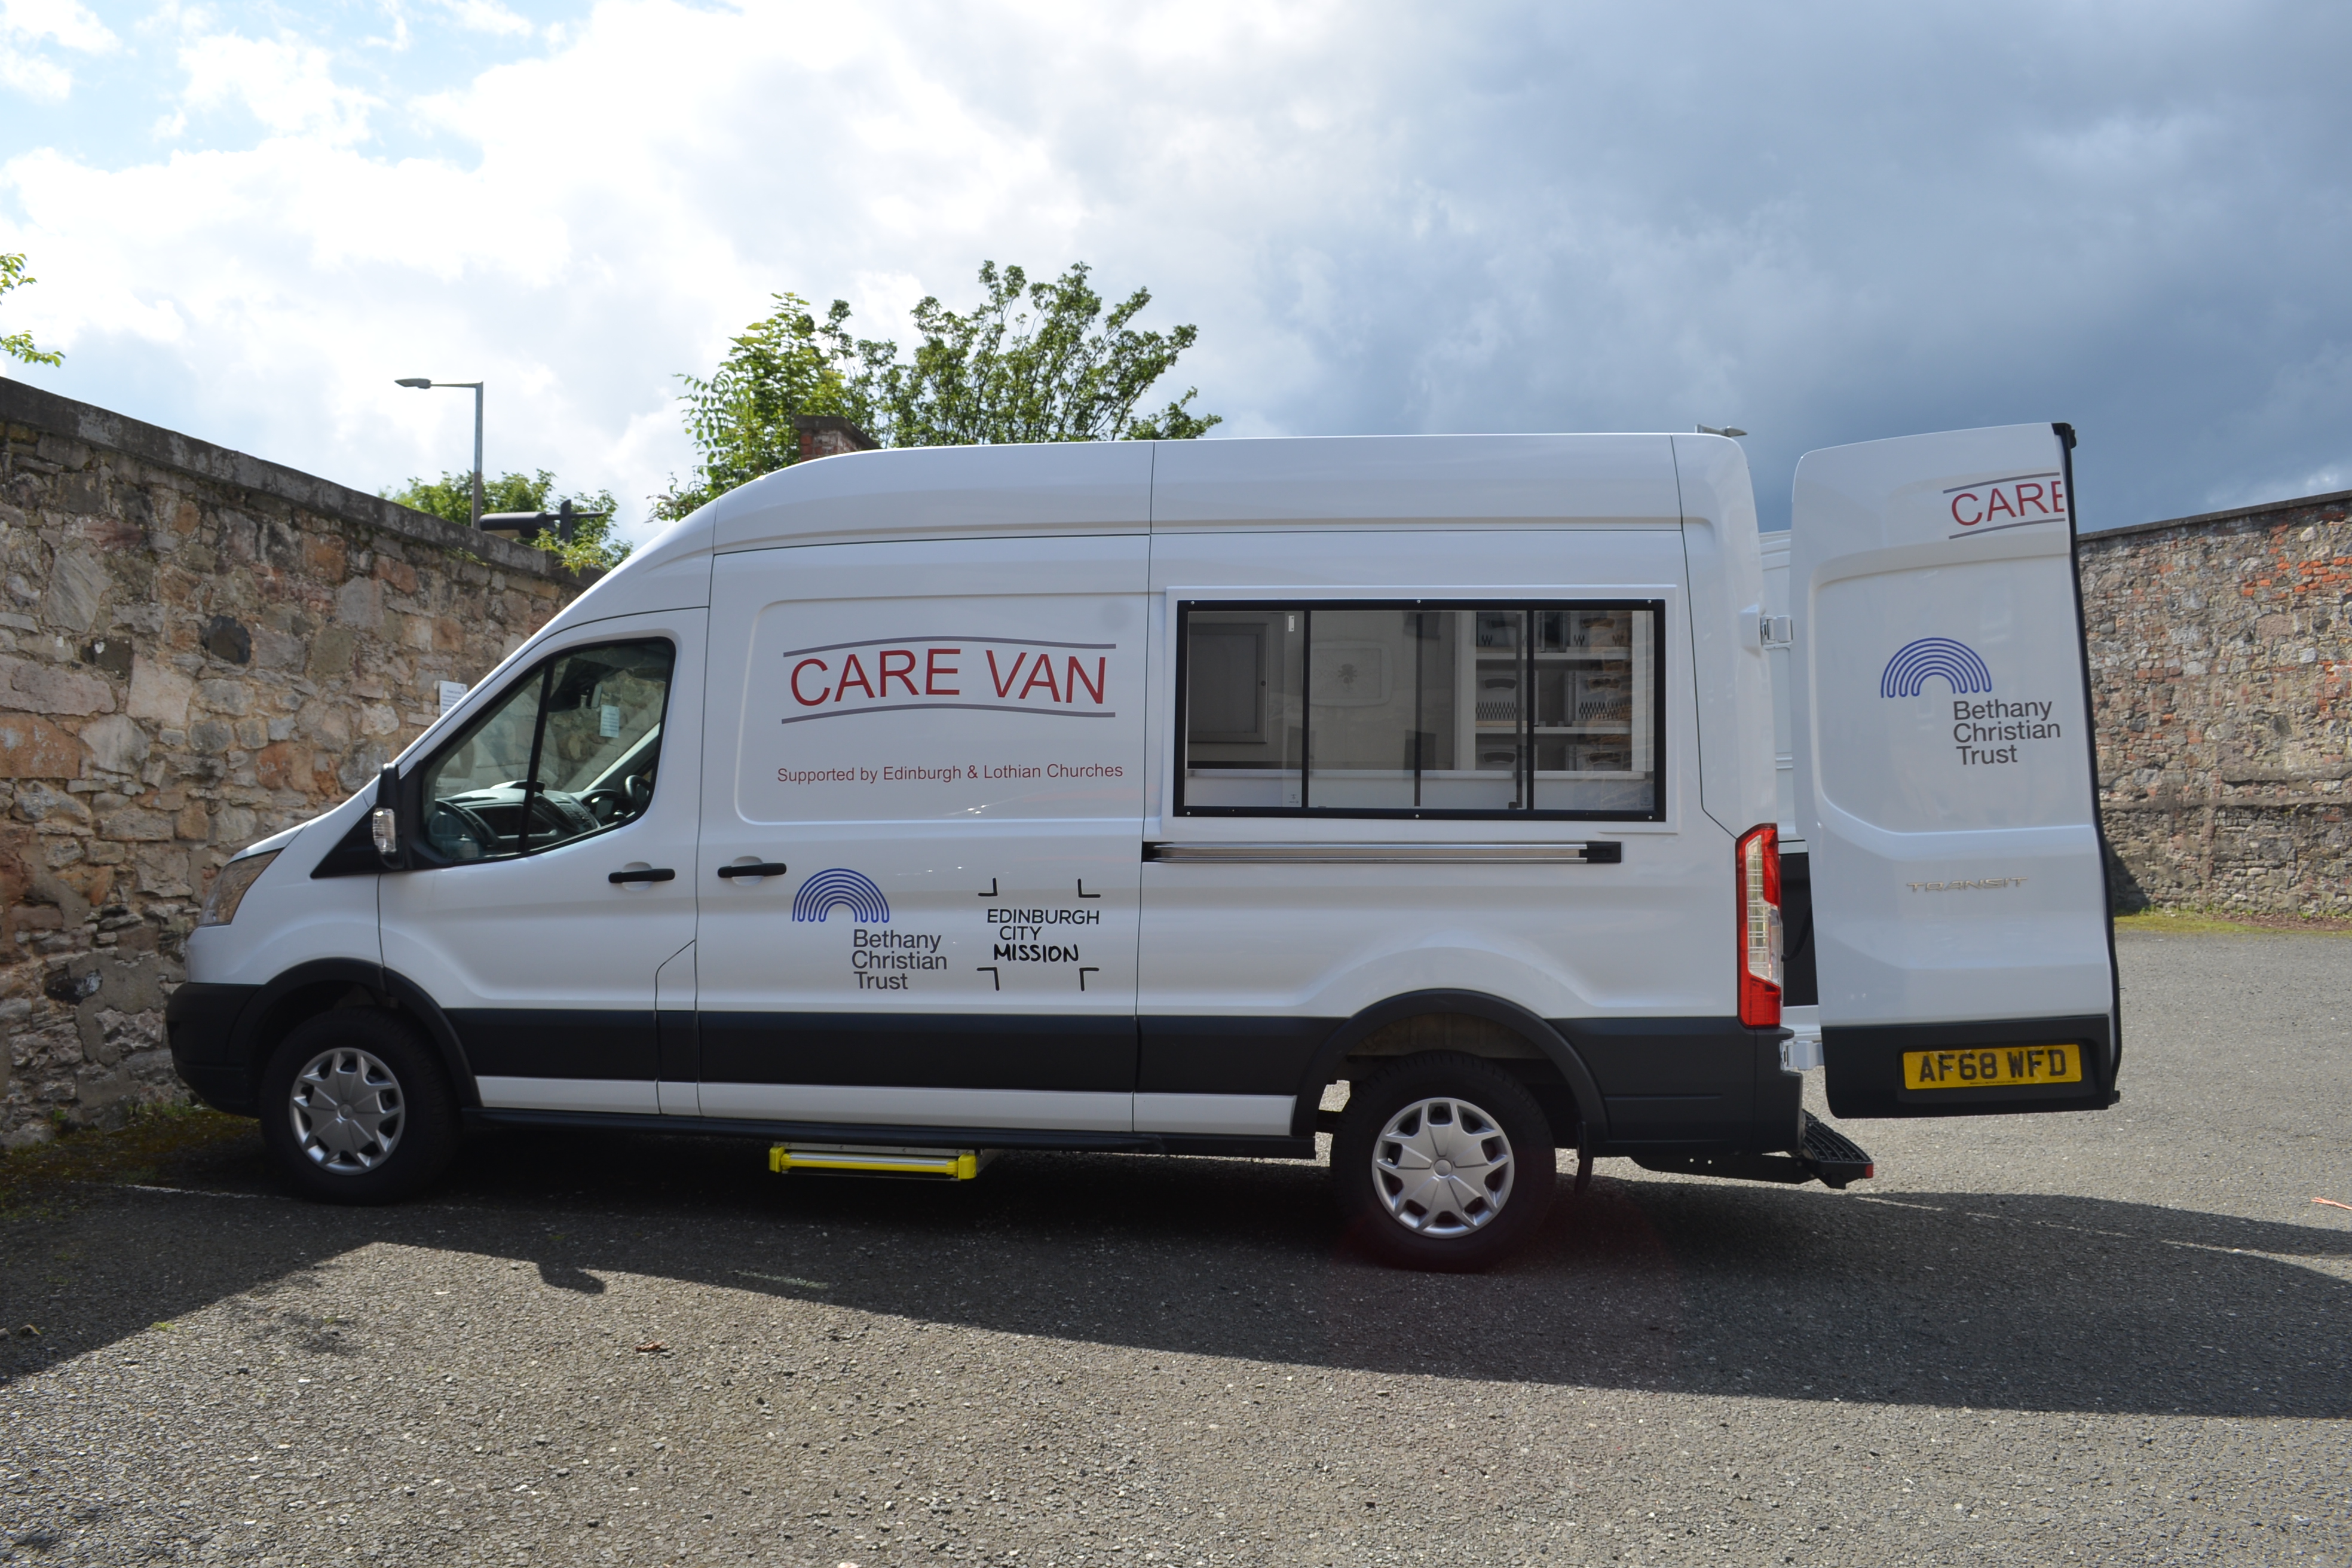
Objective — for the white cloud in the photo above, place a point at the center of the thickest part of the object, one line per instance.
(286, 84)
(26, 25)
(68, 22)
(1823, 225)
(601, 242)
(486, 16)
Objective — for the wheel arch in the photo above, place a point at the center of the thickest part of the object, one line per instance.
(1548, 1042)
(308, 990)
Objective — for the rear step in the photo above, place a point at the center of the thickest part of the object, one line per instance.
(1826, 1155)
(1833, 1156)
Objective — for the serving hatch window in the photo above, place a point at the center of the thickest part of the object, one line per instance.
(1422, 709)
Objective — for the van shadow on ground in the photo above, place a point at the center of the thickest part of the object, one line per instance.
(2020, 1303)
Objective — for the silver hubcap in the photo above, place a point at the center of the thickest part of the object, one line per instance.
(1442, 1167)
(348, 1111)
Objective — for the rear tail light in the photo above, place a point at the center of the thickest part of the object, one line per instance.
(1759, 928)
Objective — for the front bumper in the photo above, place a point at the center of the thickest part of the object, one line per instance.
(201, 1022)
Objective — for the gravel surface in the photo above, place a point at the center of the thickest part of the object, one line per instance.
(2030, 1339)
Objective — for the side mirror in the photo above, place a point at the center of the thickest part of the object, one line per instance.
(384, 821)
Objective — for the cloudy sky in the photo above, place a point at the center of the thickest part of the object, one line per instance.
(1821, 222)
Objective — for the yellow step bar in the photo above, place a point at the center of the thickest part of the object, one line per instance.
(853, 1159)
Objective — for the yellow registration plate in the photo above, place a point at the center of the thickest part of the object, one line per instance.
(1992, 1066)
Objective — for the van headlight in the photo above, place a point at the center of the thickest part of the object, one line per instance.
(229, 888)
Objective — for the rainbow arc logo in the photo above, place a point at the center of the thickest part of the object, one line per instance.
(1948, 659)
(840, 889)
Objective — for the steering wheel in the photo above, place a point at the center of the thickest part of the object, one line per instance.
(628, 799)
(459, 831)
(607, 804)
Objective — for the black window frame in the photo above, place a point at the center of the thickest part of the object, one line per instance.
(1525, 779)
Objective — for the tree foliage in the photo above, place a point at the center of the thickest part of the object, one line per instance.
(19, 345)
(1031, 361)
(451, 499)
(741, 417)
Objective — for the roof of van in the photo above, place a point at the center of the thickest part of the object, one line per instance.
(1138, 487)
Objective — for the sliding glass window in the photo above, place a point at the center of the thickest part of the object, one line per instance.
(1422, 710)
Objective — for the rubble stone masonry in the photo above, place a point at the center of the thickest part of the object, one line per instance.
(197, 648)
(2220, 656)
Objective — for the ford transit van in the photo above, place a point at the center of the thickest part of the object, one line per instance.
(1196, 797)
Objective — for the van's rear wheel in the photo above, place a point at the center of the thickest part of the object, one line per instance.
(1444, 1162)
(355, 1109)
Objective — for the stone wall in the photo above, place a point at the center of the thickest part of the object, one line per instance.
(197, 648)
(2218, 661)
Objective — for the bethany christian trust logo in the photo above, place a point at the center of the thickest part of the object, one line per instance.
(878, 960)
(1980, 728)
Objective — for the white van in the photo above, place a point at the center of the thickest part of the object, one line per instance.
(1130, 796)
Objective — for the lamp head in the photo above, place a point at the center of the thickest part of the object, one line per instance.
(412, 381)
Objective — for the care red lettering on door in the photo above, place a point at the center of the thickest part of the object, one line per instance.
(852, 672)
(933, 670)
(903, 673)
(2005, 503)
(893, 675)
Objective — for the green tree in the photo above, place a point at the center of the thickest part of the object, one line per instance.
(19, 345)
(451, 499)
(1031, 361)
(741, 417)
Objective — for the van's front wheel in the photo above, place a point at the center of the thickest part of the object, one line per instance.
(1442, 1163)
(355, 1109)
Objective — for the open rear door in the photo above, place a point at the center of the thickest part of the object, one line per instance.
(1946, 777)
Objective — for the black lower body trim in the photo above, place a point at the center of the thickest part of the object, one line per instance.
(1227, 1055)
(921, 1050)
(201, 1018)
(200, 1021)
(227, 1089)
(1686, 1084)
(909, 1137)
(1689, 1086)
(680, 1051)
(1865, 1068)
(554, 1041)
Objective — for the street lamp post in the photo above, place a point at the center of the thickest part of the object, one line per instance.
(418, 381)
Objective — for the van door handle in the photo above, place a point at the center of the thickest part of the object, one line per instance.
(759, 868)
(655, 874)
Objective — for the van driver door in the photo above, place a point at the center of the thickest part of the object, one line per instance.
(551, 872)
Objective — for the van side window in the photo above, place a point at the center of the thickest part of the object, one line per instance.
(1422, 709)
(571, 749)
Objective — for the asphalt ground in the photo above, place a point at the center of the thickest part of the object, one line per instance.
(2101, 1337)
